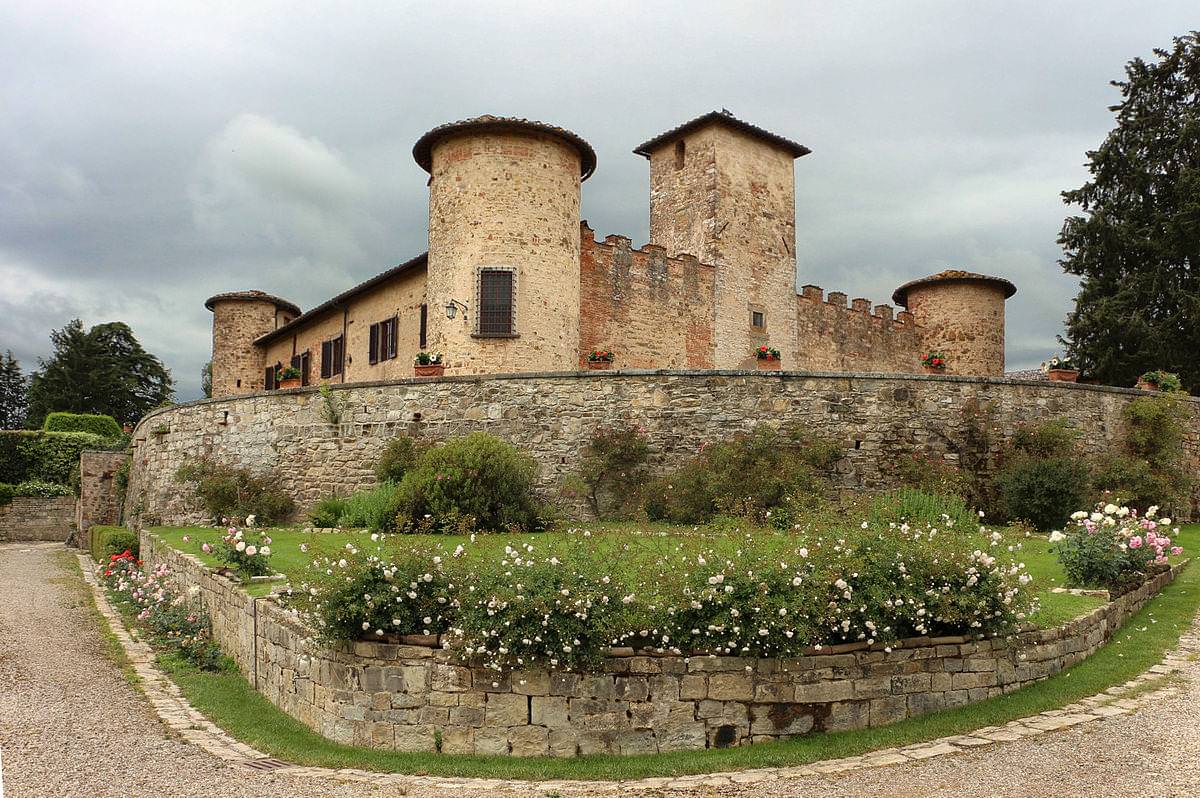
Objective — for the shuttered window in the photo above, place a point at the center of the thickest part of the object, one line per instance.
(300, 361)
(381, 340)
(269, 379)
(332, 352)
(373, 345)
(495, 301)
(424, 336)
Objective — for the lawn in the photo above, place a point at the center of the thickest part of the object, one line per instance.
(229, 700)
(630, 543)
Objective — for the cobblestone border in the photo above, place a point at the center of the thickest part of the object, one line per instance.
(178, 715)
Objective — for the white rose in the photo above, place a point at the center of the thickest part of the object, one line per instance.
(251, 551)
(266, 550)
(1056, 536)
(241, 545)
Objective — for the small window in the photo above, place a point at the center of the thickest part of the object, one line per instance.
(680, 154)
(332, 353)
(758, 319)
(381, 344)
(424, 336)
(373, 345)
(496, 301)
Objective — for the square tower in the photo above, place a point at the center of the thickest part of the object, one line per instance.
(724, 190)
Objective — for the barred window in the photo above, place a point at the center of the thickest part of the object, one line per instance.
(496, 301)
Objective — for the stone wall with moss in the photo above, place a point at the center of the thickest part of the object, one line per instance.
(878, 418)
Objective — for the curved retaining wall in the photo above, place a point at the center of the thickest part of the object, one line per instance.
(406, 697)
(878, 417)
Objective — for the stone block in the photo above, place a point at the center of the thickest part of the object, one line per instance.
(565, 684)
(781, 719)
(550, 711)
(680, 731)
(873, 687)
(415, 738)
(922, 703)
(774, 692)
(693, 687)
(506, 709)
(562, 742)
(529, 741)
(845, 715)
(911, 683)
(458, 741)
(888, 710)
(664, 687)
(466, 716)
(632, 688)
(450, 678)
(636, 742)
(731, 687)
(824, 692)
(535, 682)
(493, 741)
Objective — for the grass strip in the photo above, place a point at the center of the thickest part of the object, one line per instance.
(228, 699)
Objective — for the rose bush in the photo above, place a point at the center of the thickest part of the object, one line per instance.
(1113, 547)
(248, 553)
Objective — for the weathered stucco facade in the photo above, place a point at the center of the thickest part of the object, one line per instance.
(407, 697)
(878, 419)
(716, 281)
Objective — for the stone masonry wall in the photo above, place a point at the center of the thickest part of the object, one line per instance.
(650, 310)
(877, 417)
(405, 697)
(964, 321)
(37, 518)
(99, 499)
(834, 337)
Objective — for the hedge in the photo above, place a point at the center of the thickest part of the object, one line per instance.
(104, 426)
(45, 456)
(105, 541)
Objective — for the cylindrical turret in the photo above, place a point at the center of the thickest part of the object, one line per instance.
(240, 318)
(961, 315)
(503, 284)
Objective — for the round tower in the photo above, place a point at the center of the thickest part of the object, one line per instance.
(239, 319)
(503, 284)
(961, 315)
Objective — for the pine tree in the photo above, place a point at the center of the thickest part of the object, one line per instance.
(14, 389)
(1137, 244)
(103, 370)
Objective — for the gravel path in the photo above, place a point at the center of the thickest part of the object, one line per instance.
(70, 725)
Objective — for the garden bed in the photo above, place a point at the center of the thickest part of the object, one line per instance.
(420, 698)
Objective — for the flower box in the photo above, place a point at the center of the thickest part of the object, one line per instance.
(1143, 385)
(599, 365)
(933, 370)
(1062, 375)
(293, 382)
(769, 364)
(429, 369)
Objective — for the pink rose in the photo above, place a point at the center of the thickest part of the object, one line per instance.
(1135, 542)
(1176, 550)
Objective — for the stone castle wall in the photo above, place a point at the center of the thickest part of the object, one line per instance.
(837, 337)
(651, 310)
(37, 518)
(408, 697)
(99, 496)
(237, 364)
(878, 418)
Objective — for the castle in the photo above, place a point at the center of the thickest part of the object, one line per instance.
(514, 282)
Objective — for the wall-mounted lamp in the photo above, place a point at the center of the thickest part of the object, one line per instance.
(452, 307)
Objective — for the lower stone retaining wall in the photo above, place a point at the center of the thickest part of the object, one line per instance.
(415, 698)
(37, 518)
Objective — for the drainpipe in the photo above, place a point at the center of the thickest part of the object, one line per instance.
(345, 337)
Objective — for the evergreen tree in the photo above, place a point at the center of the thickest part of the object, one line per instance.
(1137, 244)
(103, 370)
(14, 389)
(206, 380)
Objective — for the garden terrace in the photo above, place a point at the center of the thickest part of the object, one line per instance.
(407, 697)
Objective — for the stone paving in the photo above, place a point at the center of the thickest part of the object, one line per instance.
(1097, 710)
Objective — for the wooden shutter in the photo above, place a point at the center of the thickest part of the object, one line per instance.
(393, 325)
(326, 359)
(303, 368)
(339, 354)
(424, 338)
(495, 302)
(269, 379)
(373, 345)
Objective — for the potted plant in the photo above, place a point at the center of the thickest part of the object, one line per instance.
(768, 358)
(429, 364)
(934, 363)
(600, 359)
(1060, 369)
(1159, 380)
(289, 378)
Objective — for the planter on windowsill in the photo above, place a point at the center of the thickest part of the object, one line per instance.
(1142, 385)
(1062, 375)
(429, 370)
(933, 370)
(288, 384)
(599, 365)
(769, 364)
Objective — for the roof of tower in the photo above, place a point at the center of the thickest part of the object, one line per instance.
(725, 117)
(417, 262)
(423, 149)
(900, 295)
(251, 296)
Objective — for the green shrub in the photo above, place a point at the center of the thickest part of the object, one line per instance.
(375, 508)
(613, 471)
(1044, 492)
(7, 492)
(401, 453)
(1135, 482)
(46, 456)
(750, 475)
(1113, 548)
(246, 551)
(107, 541)
(478, 480)
(916, 507)
(327, 512)
(931, 474)
(101, 426)
(235, 493)
(40, 488)
(1152, 470)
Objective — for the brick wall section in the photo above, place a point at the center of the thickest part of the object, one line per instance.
(505, 198)
(964, 320)
(99, 500)
(878, 418)
(652, 311)
(37, 518)
(834, 336)
(395, 696)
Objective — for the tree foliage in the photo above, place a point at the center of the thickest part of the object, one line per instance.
(1136, 245)
(14, 388)
(102, 370)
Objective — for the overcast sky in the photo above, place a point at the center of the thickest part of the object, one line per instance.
(154, 154)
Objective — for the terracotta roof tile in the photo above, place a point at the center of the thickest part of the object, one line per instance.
(725, 117)
(250, 296)
(423, 149)
(900, 295)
